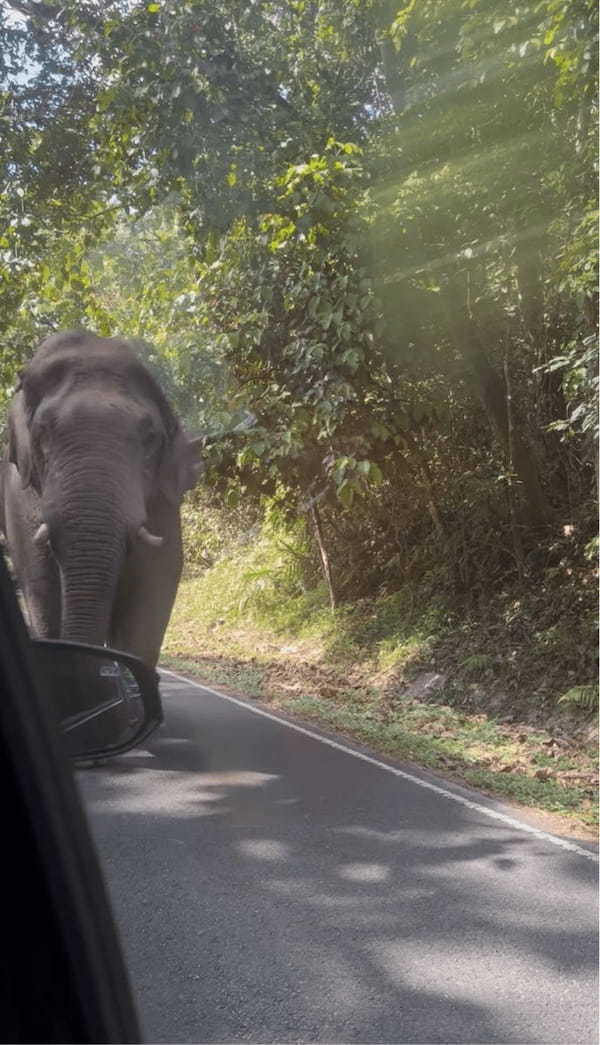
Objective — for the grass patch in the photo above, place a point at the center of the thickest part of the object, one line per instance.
(364, 670)
(238, 675)
(455, 753)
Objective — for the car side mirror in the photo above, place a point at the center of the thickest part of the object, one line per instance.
(106, 702)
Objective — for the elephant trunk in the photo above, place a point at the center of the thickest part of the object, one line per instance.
(89, 575)
(89, 533)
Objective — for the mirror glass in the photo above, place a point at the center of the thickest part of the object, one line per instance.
(106, 703)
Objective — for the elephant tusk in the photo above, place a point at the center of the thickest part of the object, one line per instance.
(42, 534)
(149, 538)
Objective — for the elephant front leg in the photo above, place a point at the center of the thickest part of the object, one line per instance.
(145, 597)
(34, 565)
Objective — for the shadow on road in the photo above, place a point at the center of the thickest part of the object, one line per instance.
(270, 889)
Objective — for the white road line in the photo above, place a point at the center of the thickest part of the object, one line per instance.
(494, 814)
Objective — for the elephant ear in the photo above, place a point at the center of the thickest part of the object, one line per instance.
(180, 467)
(19, 441)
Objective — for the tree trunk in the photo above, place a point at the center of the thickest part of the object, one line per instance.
(493, 398)
(316, 518)
(531, 291)
(514, 525)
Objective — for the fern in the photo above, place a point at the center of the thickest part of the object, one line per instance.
(585, 697)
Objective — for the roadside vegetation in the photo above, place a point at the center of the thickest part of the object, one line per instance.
(357, 243)
(482, 693)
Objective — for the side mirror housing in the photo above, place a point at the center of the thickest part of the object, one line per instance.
(106, 702)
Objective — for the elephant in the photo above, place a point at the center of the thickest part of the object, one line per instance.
(92, 481)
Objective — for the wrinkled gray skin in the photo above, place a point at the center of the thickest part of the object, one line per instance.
(96, 454)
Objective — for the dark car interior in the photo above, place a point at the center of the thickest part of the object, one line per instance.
(63, 975)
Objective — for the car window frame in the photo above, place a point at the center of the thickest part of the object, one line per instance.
(48, 840)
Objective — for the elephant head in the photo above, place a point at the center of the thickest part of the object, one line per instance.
(94, 439)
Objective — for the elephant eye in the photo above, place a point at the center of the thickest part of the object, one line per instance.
(41, 442)
(150, 439)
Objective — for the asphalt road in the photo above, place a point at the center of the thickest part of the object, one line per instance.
(270, 887)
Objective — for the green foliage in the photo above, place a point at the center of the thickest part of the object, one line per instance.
(299, 340)
(247, 573)
(368, 227)
(585, 697)
(477, 664)
(579, 365)
(212, 530)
